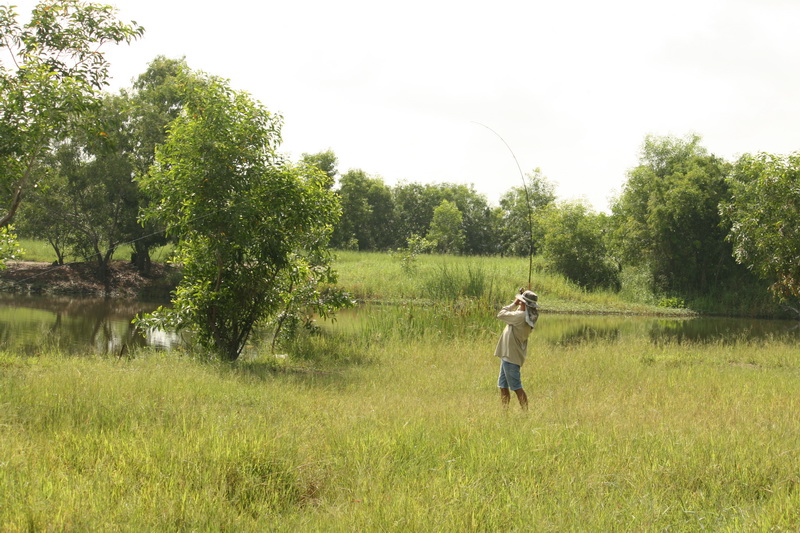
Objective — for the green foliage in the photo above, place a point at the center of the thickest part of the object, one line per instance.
(252, 229)
(574, 245)
(764, 215)
(407, 256)
(368, 218)
(96, 197)
(324, 161)
(668, 217)
(677, 303)
(89, 203)
(156, 100)
(55, 70)
(521, 227)
(9, 246)
(415, 205)
(446, 233)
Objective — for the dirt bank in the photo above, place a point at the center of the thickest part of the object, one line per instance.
(27, 277)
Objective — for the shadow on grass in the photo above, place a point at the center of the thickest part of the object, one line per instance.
(320, 359)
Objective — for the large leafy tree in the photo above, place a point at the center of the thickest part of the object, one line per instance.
(325, 161)
(156, 100)
(668, 219)
(93, 193)
(476, 217)
(764, 215)
(415, 204)
(89, 202)
(251, 227)
(51, 68)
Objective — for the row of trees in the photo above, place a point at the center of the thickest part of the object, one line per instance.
(454, 217)
(695, 223)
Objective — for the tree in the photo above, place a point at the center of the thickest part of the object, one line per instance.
(156, 100)
(764, 216)
(42, 216)
(88, 202)
(446, 231)
(325, 161)
(521, 232)
(98, 194)
(574, 245)
(667, 216)
(415, 204)
(251, 227)
(53, 70)
(367, 213)
(476, 217)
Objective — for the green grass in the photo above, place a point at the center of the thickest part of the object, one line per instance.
(41, 251)
(492, 280)
(373, 427)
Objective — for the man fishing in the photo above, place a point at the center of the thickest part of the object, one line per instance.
(520, 317)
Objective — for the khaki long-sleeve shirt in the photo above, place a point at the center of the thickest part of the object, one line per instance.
(513, 343)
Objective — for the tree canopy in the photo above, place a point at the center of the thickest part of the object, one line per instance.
(51, 68)
(667, 217)
(764, 213)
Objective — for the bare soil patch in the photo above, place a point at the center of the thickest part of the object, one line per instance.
(124, 279)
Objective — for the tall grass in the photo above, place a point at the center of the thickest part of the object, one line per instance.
(367, 427)
(494, 280)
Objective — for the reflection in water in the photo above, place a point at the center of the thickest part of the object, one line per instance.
(567, 330)
(31, 324)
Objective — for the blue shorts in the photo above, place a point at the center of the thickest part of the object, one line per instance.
(509, 376)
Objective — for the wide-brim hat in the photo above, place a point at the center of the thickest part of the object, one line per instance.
(530, 298)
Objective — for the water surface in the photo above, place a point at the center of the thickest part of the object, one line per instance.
(32, 324)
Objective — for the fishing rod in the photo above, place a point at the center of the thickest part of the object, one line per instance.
(527, 201)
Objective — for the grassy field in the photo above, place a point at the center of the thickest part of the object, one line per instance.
(390, 421)
(38, 250)
(491, 280)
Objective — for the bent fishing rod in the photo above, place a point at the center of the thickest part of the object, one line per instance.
(527, 201)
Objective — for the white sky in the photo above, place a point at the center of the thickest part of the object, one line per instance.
(572, 86)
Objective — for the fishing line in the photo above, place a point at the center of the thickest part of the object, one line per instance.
(527, 201)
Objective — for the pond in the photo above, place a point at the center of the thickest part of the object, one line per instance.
(76, 325)
(31, 324)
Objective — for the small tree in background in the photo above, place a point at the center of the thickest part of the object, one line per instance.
(519, 234)
(446, 232)
(574, 246)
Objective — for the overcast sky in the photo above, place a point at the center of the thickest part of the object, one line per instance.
(397, 89)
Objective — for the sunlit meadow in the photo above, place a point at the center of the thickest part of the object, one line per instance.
(375, 424)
